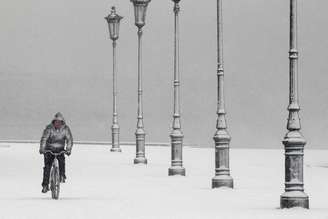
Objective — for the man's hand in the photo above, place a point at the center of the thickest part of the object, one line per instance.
(41, 151)
(68, 153)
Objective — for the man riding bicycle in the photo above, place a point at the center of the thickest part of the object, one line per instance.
(54, 138)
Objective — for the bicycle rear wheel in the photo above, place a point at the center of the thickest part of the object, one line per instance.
(55, 180)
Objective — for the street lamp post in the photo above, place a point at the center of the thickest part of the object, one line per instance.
(176, 134)
(294, 142)
(140, 8)
(221, 138)
(113, 20)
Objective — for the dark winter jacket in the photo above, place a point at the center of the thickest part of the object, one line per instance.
(55, 139)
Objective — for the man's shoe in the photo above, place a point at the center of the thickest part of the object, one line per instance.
(45, 189)
(62, 179)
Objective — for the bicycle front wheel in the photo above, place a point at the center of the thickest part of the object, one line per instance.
(55, 180)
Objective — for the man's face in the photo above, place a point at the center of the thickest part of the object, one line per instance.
(58, 124)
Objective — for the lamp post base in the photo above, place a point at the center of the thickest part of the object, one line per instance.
(222, 181)
(115, 138)
(116, 150)
(294, 199)
(173, 171)
(140, 160)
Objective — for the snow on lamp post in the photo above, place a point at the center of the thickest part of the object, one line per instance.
(140, 8)
(294, 142)
(221, 138)
(176, 134)
(113, 20)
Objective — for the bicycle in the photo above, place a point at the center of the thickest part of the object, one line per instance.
(54, 175)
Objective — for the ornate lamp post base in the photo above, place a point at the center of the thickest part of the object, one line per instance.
(222, 181)
(176, 151)
(140, 147)
(294, 195)
(173, 171)
(115, 139)
(294, 199)
(116, 150)
(222, 139)
(140, 160)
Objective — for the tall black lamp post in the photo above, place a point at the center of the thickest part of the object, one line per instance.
(113, 20)
(294, 142)
(221, 138)
(176, 133)
(140, 8)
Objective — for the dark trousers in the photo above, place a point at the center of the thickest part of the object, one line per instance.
(48, 159)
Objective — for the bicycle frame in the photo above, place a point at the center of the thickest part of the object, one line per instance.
(54, 175)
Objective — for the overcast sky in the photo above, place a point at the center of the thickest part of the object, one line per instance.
(56, 56)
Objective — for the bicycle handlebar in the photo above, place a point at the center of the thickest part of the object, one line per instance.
(55, 154)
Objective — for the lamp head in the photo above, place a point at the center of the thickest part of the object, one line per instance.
(140, 8)
(113, 21)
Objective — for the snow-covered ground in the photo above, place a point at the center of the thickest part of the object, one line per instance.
(102, 184)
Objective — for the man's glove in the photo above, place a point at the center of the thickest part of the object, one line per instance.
(68, 153)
